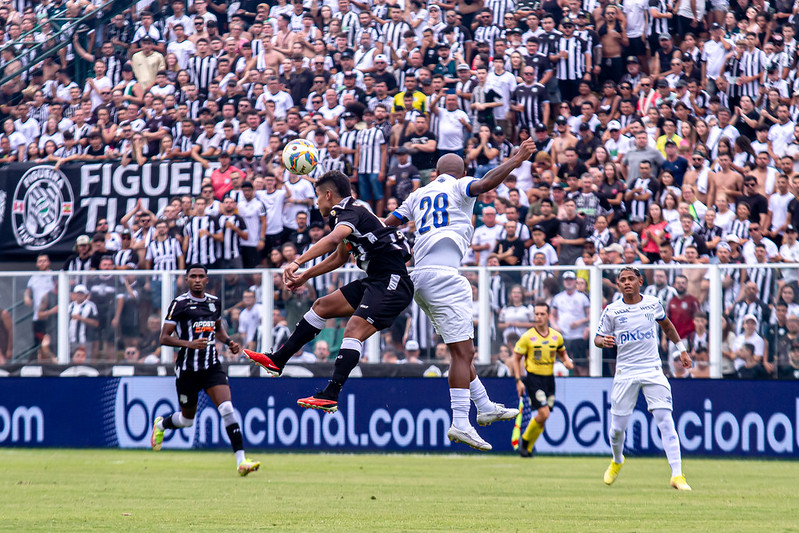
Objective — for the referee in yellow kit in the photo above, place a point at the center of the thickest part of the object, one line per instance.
(538, 347)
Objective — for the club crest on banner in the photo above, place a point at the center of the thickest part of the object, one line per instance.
(43, 203)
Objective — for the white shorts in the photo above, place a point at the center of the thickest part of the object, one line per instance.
(446, 297)
(624, 396)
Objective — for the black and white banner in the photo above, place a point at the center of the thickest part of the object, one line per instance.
(45, 209)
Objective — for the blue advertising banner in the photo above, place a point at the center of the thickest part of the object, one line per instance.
(738, 418)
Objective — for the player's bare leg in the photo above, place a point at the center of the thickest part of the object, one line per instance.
(333, 305)
(355, 333)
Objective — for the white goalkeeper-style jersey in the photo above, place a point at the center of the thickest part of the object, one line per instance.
(440, 210)
(635, 329)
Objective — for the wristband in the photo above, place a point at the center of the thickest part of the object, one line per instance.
(518, 380)
(229, 342)
(296, 263)
(681, 347)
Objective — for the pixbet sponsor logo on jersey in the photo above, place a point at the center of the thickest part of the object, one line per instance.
(638, 335)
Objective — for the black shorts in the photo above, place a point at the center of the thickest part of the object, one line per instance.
(379, 300)
(189, 384)
(541, 390)
(636, 47)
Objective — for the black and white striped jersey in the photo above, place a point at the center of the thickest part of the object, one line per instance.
(194, 108)
(403, 73)
(371, 30)
(113, 68)
(201, 248)
(640, 208)
(466, 88)
(533, 283)
(753, 63)
(347, 139)
(548, 43)
(573, 66)
(379, 249)
(40, 115)
(740, 228)
(76, 264)
(164, 254)
(79, 331)
(498, 9)
(729, 294)
(743, 308)
(764, 279)
(658, 26)
(393, 32)
(229, 247)
(349, 26)
(195, 318)
(327, 163)
(369, 145)
(679, 244)
(487, 34)
(202, 71)
(126, 259)
(532, 98)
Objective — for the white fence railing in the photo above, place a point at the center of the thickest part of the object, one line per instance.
(13, 286)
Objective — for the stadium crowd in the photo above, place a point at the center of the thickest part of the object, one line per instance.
(666, 134)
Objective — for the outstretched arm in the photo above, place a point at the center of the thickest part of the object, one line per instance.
(497, 175)
(671, 333)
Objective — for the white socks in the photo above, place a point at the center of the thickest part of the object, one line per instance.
(617, 426)
(459, 399)
(479, 396)
(239, 457)
(671, 442)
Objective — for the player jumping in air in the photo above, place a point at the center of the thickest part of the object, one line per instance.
(442, 213)
(196, 317)
(372, 303)
(538, 347)
(630, 324)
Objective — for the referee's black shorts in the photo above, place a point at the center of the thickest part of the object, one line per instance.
(379, 300)
(189, 384)
(541, 390)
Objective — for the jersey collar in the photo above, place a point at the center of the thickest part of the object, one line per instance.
(204, 298)
(343, 202)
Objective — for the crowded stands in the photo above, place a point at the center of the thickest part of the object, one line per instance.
(666, 134)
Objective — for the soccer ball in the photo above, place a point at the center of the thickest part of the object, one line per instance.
(300, 157)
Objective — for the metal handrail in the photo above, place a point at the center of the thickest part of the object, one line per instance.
(20, 40)
(63, 43)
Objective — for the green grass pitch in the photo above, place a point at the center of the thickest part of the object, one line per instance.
(114, 490)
